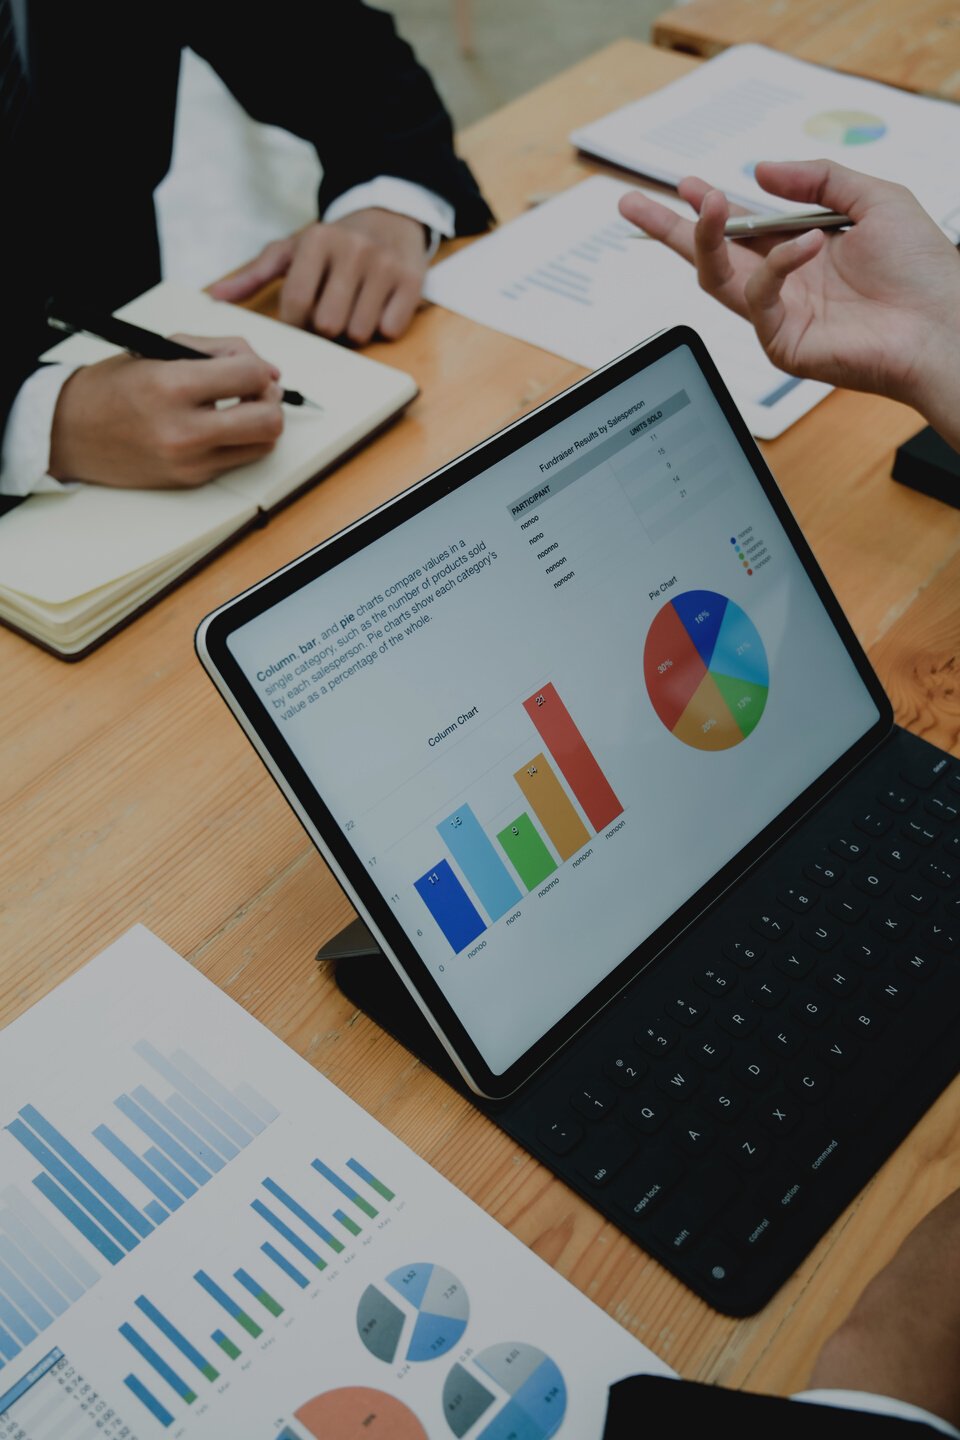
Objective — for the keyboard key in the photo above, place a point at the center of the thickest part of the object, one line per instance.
(644, 1184)
(890, 925)
(849, 848)
(680, 1082)
(724, 1103)
(738, 1019)
(773, 927)
(716, 1264)
(872, 880)
(867, 954)
(921, 832)
(658, 1038)
(808, 1084)
(811, 1010)
(873, 823)
(561, 1135)
(917, 963)
(923, 774)
(754, 1070)
(794, 963)
(823, 936)
(646, 1112)
(941, 875)
(715, 980)
(797, 898)
(604, 1155)
(693, 1136)
(593, 1100)
(673, 1231)
(839, 1052)
(785, 1193)
(942, 937)
(743, 953)
(747, 1222)
(824, 872)
(686, 1011)
(845, 905)
(897, 800)
(709, 1051)
(821, 1157)
(749, 1149)
(837, 981)
(783, 1039)
(892, 995)
(625, 1069)
(768, 992)
(897, 856)
(863, 1022)
(952, 846)
(779, 1116)
(940, 809)
(918, 898)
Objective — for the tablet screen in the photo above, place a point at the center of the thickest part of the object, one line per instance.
(549, 707)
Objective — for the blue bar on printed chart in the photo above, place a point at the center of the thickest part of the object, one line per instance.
(15, 1291)
(137, 1167)
(201, 1126)
(345, 1189)
(371, 1180)
(450, 906)
(473, 851)
(190, 1084)
(160, 1137)
(309, 1220)
(282, 1263)
(169, 1171)
(227, 1303)
(45, 1246)
(13, 1321)
(48, 1295)
(98, 1182)
(158, 1411)
(155, 1210)
(79, 1220)
(291, 1237)
(79, 1192)
(8, 1346)
(187, 1350)
(164, 1116)
(134, 1338)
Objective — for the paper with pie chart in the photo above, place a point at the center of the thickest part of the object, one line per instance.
(535, 1391)
(705, 669)
(419, 1313)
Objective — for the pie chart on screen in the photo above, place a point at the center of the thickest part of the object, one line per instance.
(705, 669)
(845, 127)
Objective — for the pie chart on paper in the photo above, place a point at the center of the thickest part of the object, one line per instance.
(419, 1314)
(845, 127)
(705, 669)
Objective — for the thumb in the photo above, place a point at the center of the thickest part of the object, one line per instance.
(273, 260)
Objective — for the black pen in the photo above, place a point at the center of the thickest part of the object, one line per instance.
(145, 343)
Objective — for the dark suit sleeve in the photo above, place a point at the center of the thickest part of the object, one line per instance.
(338, 75)
(652, 1405)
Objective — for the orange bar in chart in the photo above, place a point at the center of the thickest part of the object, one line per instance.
(574, 757)
(551, 805)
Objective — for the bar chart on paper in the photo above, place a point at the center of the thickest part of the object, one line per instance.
(484, 872)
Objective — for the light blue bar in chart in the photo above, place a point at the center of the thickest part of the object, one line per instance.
(98, 1182)
(80, 1192)
(218, 1093)
(136, 1166)
(473, 851)
(14, 1322)
(169, 1171)
(24, 1299)
(23, 1213)
(48, 1265)
(156, 1211)
(79, 1220)
(195, 1093)
(49, 1297)
(8, 1346)
(164, 1116)
(255, 1101)
(160, 1137)
(201, 1126)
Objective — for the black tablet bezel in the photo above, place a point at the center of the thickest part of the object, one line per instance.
(213, 649)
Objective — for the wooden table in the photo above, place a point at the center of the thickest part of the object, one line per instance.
(129, 794)
(911, 43)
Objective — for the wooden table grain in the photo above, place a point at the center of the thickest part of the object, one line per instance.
(914, 44)
(127, 793)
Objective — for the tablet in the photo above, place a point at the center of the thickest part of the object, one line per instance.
(541, 710)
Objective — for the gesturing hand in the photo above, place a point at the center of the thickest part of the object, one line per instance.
(356, 277)
(874, 307)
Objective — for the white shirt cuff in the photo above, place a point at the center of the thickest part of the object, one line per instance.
(26, 439)
(878, 1405)
(403, 197)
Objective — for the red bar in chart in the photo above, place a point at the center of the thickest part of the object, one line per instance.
(573, 756)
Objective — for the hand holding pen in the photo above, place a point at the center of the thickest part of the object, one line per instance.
(859, 307)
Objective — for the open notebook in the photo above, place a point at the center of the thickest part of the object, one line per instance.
(75, 566)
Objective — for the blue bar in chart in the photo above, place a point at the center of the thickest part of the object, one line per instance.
(450, 906)
(169, 1171)
(13, 1321)
(188, 1350)
(164, 1116)
(254, 1101)
(137, 1167)
(8, 1346)
(474, 853)
(155, 1210)
(45, 1246)
(79, 1220)
(345, 1189)
(291, 1237)
(134, 1338)
(93, 1177)
(196, 1085)
(47, 1294)
(158, 1411)
(382, 1190)
(297, 1209)
(160, 1137)
(227, 1303)
(201, 1126)
(346, 1222)
(80, 1192)
(15, 1290)
(282, 1263)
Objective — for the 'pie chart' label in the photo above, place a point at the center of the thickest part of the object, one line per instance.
(428, 1321)
(706, 670)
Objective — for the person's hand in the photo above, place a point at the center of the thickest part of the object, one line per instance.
(875, 307)
(357, 277)
(902, 1337)
(156, 424)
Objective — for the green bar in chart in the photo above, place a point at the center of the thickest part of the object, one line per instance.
(226, 1344)
(526, 851)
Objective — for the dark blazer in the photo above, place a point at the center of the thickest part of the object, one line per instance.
(80, 179)
(652, 1407)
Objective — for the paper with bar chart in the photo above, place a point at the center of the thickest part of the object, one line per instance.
(199, 1234)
